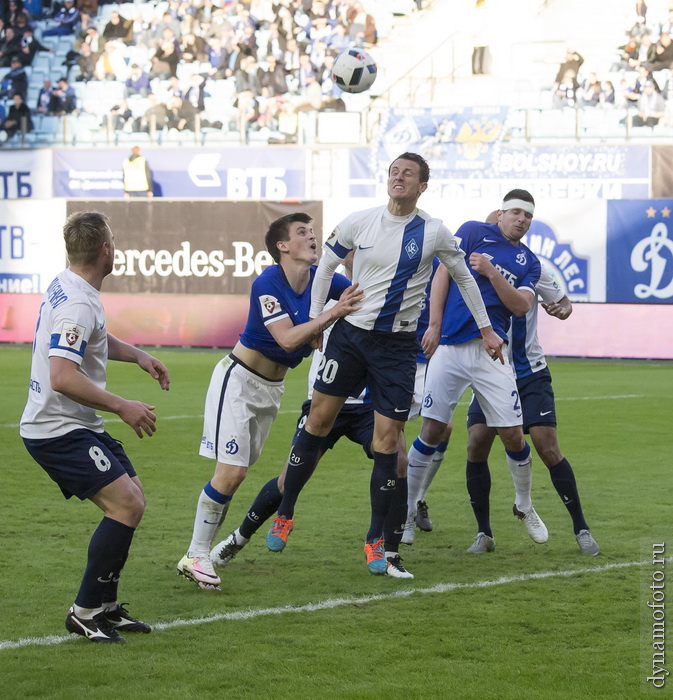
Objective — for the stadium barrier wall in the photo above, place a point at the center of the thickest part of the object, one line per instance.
(183, 268)
(472, 169)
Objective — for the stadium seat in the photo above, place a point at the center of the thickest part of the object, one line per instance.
(173, 136)
(139, 55)
(32, 95)
(42, 62)
(100, 96)
(50, 132)
(185, 70)
(37, 78)
(51, 42)
(136, 137)
(218, 137)
(86, 128)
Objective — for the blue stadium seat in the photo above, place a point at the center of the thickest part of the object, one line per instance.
(42, 62)
(135, 137)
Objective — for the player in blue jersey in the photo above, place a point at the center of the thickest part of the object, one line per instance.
(536, 395)
(356, 422)
(376, 346)
(246, 386)
(65, 436)
(507, 273)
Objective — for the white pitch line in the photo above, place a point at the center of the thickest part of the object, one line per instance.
(464, 402)
(342, 602)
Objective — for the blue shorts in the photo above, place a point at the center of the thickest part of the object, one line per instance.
(537, 402)
(81, 462)
(383, 362)
(355, 421)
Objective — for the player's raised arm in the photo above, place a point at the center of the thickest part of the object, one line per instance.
(290, 337)
(518, 301)
(322, 280)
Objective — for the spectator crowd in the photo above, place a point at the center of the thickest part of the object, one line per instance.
(640, 77)
(185, 64)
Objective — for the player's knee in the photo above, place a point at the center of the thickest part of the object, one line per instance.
(432, 431)
(549, 454)
(131, 510)
(477, 451)
(512, 438)
(228, 478)
(385, 443)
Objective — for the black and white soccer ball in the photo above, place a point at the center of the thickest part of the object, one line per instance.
(354, 70)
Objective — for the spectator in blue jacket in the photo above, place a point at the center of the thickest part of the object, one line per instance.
(15, 81)
(138, 82)
(63, 100)
(66, 20)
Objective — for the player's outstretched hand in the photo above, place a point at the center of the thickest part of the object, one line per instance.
(156, 369)
(492, 344)
(139, 416)
(348, 301)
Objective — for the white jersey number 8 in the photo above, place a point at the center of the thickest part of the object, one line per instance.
(99, 458)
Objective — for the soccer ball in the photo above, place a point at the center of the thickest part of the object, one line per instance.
(354, 70)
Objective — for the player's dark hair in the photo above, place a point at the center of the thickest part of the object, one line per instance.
(84, 233)
(524, 195)
(422, 164)
(279, 230)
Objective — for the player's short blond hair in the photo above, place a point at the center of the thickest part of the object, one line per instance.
(84, 233)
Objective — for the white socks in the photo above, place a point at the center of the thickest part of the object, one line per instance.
(209, 517)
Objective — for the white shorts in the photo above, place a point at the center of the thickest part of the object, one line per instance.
(419, 390)
(240, 409)
(454, 368)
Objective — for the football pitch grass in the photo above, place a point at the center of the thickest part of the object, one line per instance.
(538, 621)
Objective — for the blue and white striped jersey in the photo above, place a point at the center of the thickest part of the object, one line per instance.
(526, 354)
(71, 324)
(392, 264)
(517, 263)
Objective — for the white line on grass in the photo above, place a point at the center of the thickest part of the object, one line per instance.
(296, 411)
(341, 602)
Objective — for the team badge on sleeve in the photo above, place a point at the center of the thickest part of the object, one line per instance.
(72, 336)
(270, 305)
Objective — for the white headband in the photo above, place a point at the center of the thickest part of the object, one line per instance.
(518, 204)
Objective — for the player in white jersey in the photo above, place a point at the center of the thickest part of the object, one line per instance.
(536, 394)
(246, 386)
(63, 433)
(394, 248)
